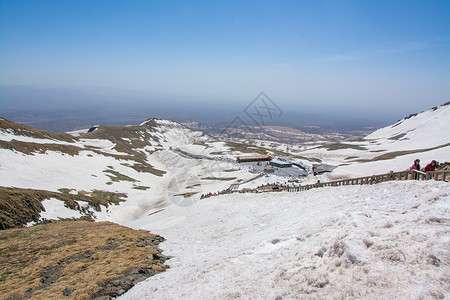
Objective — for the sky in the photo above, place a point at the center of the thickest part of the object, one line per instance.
(361, 58)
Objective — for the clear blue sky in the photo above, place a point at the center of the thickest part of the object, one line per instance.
(364, 57)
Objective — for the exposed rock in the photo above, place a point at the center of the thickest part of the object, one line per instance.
(67, 291)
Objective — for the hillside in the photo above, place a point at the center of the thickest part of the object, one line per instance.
(334, 242)
(394, 148)
(76, 260)
(161, 162)
(151, 165)
(387, 241)
(123, 159)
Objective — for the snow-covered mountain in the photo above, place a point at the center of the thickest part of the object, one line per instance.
(425, 135)
(388, 240)
(143, 162)
(160, 162)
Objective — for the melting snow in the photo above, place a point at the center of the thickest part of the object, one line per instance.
(386, 241)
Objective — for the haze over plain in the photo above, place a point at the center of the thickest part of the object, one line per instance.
(376, 61)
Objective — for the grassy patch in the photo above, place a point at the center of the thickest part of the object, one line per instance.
(282, 153)
(231, 170)
(192, 186)
(217, 153)
(244, 148)
(116, 176)
(23, 130)
(187, 195)
(65, 191)
(141, 187)
(147, 168)
(201, 144)
(108, 197)
(340, 146)
(397, 137)
(139, 137)
(36, 148)
(21, 206)
(219, 178)
(351, 157)
(395, 154)
(40, 262)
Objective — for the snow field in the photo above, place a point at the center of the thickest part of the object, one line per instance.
(424, 131)
(389, 240)
(427, 128)
(400, 163)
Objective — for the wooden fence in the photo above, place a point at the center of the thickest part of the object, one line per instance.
(405, 175)
(392, 176)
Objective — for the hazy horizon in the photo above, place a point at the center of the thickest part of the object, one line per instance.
(374, 61)
(119, 107)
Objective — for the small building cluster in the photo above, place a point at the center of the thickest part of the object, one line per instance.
(280, 164)
(266, 164)
(322, 168)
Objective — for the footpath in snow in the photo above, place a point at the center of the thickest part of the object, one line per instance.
(389, 240)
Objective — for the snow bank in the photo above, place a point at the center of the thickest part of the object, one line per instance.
(428, 128)
(56, 209)
(389, 240)
(8, 136)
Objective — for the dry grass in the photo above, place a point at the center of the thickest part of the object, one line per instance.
(217, 153)
(136, 138)
(244, 148)
(20, 206)
(32, 148)
(340, 146)
(141, 187)
(351, 157)
(201, 144)
(392, 155)
(116, 176)
(219, 178)
(187, 194)
(91, 259)
(397, 137)
(193, 186)
(23, 130)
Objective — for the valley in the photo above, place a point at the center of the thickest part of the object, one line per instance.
(160, 176)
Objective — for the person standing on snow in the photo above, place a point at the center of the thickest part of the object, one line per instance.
(431, 166)
(416, 166)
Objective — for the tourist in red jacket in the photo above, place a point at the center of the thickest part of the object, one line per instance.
(431, 166)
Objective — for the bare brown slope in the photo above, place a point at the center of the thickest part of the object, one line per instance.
(136, 137)
(21, 206)
(130, 140)
(76, 260)
(23, 130)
